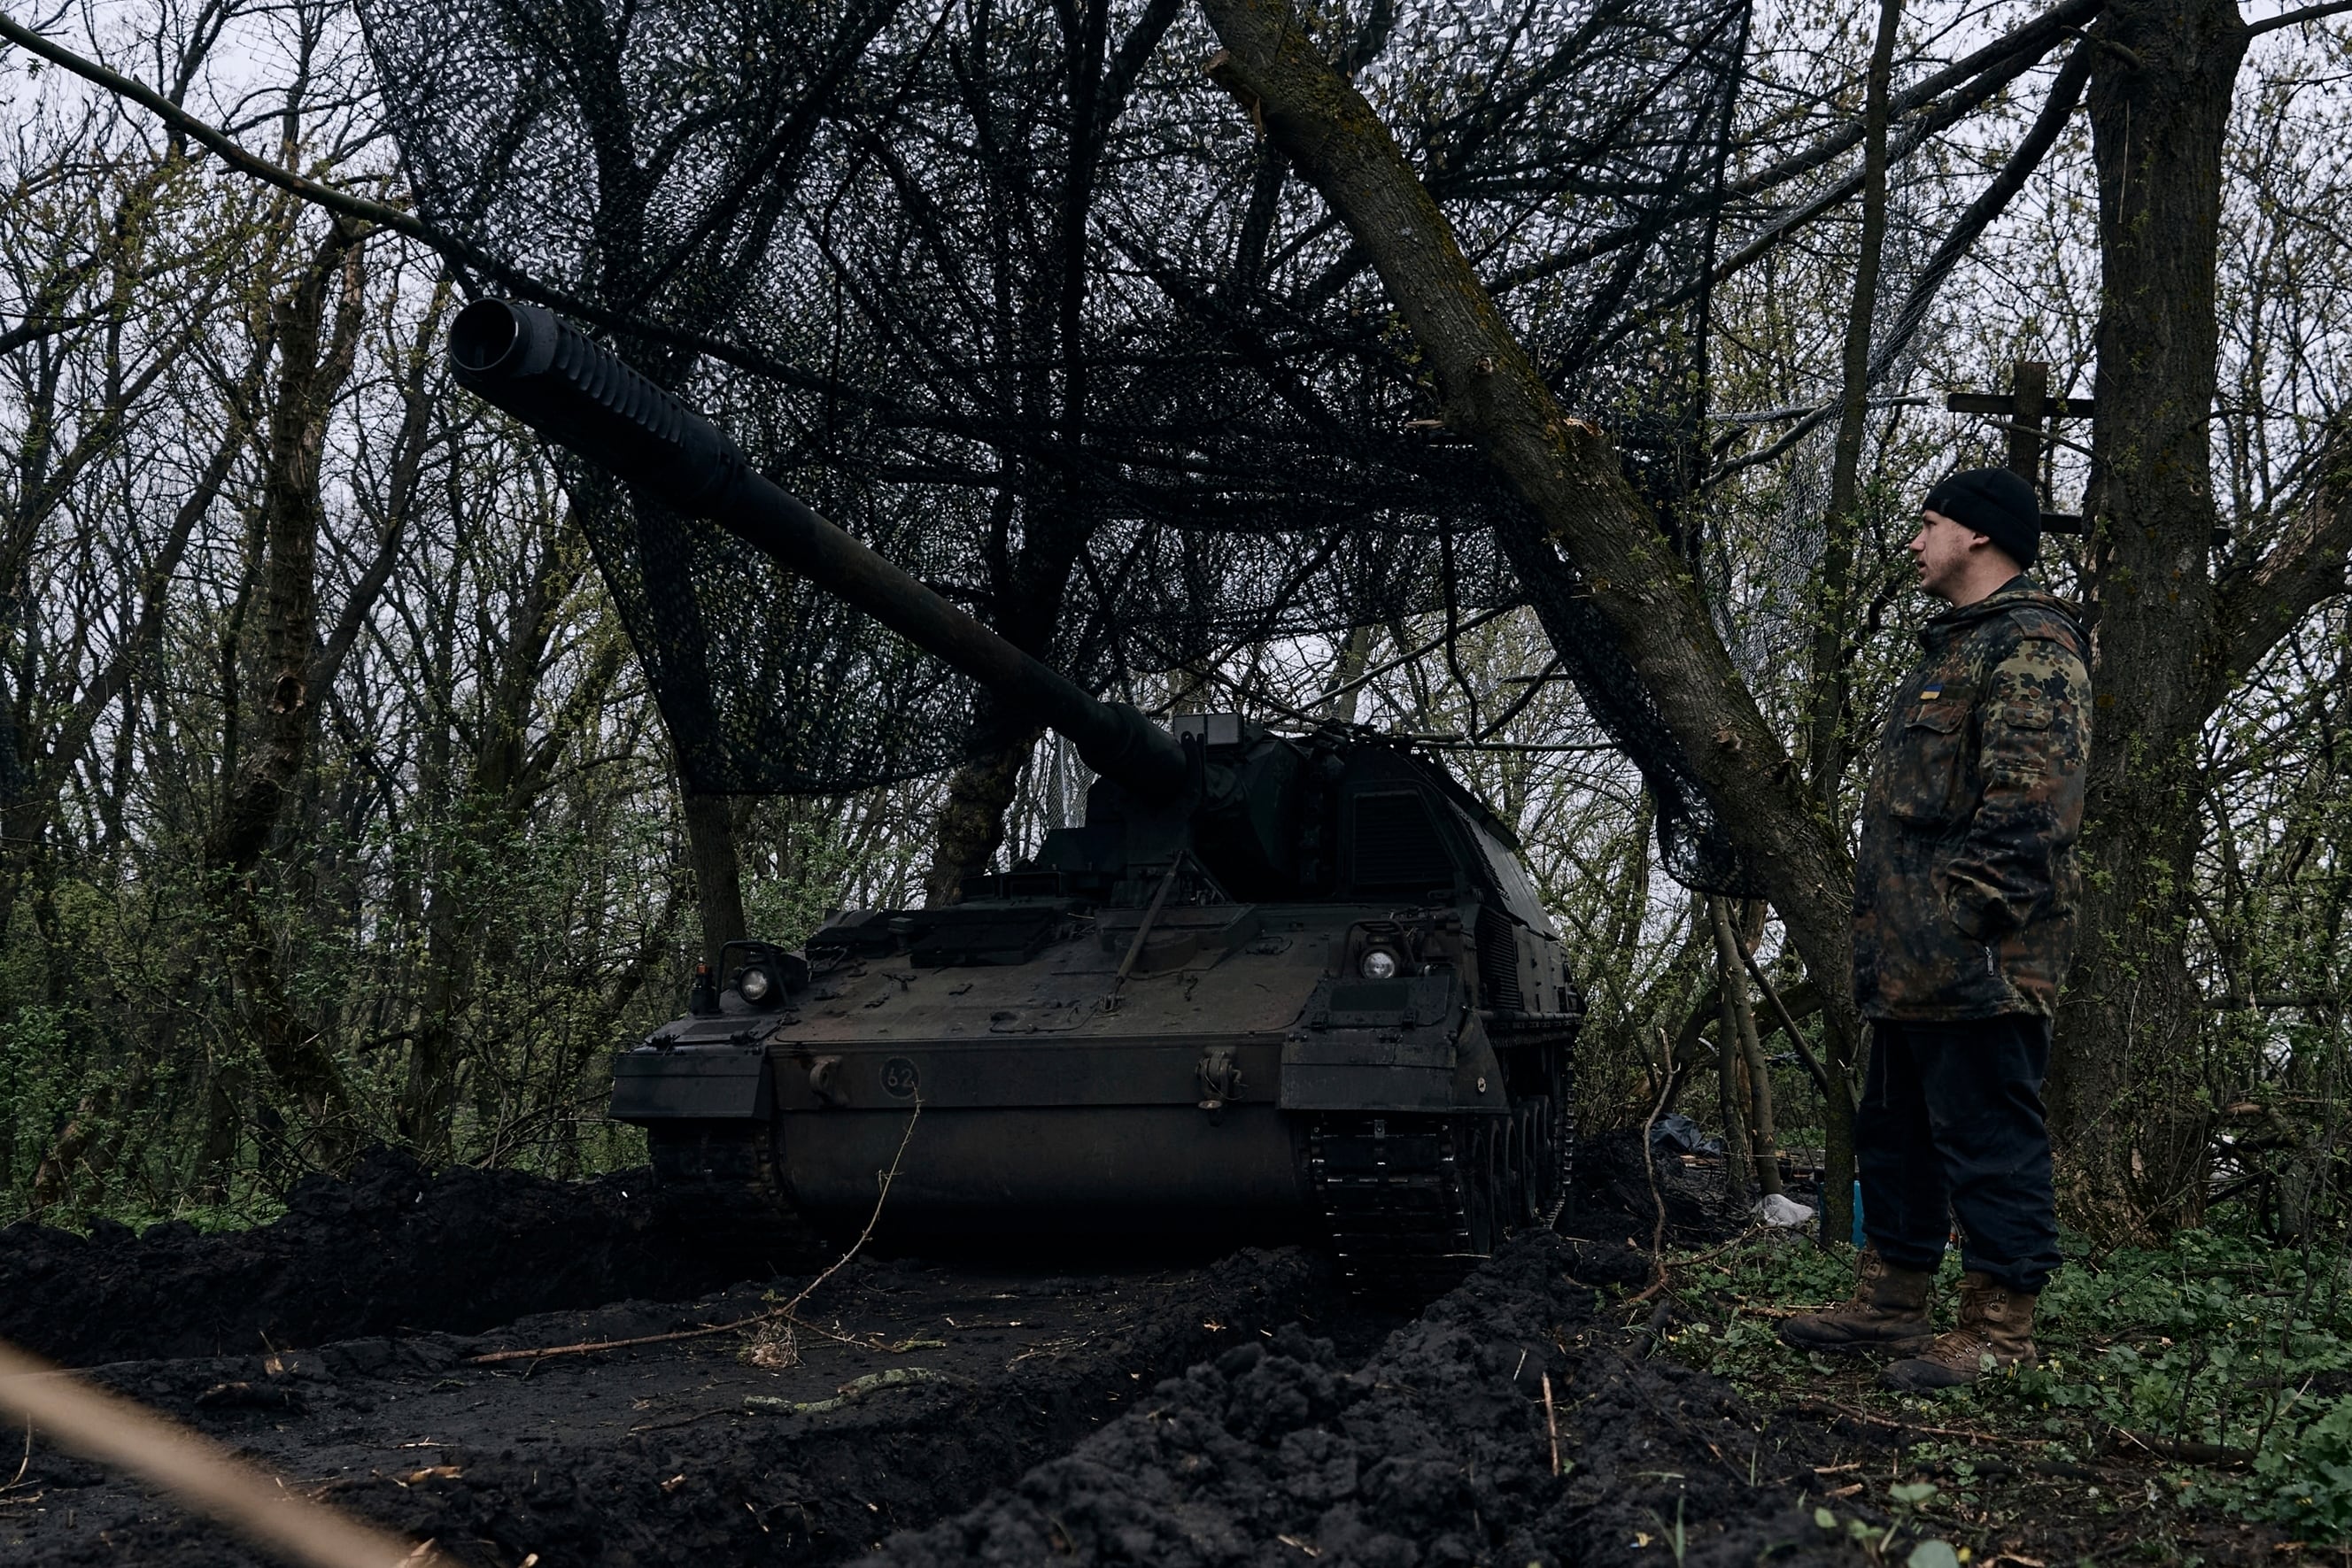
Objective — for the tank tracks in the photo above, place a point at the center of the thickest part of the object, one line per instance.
(1413, 1203)
(722, 1184)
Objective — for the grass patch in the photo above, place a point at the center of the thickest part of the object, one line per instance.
(2194, 1401)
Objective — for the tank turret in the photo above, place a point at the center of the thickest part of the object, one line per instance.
(1274, 985)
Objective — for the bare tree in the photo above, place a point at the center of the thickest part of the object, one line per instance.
(2173, 636)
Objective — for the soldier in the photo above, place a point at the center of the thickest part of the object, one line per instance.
(1963, 917)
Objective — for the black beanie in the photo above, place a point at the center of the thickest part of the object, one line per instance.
(1997, 504)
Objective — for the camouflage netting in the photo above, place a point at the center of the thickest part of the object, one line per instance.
(1013, 294)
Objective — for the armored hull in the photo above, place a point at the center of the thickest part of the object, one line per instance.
(1385, 1077)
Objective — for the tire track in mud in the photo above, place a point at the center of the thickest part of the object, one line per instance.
(650, 1454)
(1437, 1450)
(1245, 1412)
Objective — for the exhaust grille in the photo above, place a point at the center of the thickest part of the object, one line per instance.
(1499, 963)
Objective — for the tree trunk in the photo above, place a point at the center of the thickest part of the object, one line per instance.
(1566, 472)
(1057, 510)
(313, 366)
(505, 777)
(2123, 1090)
(718, 872)
(30, 811)
(224, 1088)
(970, 827)
(1831, 677)
(1740, 1147)
(1355, 655)
(42, 771)
(1763, 1132)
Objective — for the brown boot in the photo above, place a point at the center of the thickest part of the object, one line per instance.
(1888, 1311)
(1995, 1330)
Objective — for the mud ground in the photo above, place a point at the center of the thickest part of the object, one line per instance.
(1245, 1410)
(393, 1250)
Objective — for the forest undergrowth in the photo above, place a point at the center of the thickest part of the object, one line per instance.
(2193, 1402)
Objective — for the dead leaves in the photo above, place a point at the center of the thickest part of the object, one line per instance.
(775, 1348)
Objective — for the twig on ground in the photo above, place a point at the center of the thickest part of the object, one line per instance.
(854, 1389)
(1750, 1234)
(588, 1347)
(870, 1342)
(686, 1420)
(873, 1342)
(1552, 1423)
(592, 1346)
(2186, 1451)
(26, 1462)
(1825, 1407)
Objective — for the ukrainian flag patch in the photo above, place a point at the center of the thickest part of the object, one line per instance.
(1930, 694)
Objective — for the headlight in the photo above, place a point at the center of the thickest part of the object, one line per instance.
(1378, 964)
(753, 985)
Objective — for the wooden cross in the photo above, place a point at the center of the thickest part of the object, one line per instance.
(2022, 414)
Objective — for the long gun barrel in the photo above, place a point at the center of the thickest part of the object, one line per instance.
(546, 373)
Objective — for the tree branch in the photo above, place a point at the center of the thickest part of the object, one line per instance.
(359, 209)
(1973, 79)
(407, 461)
(2255, 609)
(2298, 17)
(1566, 472)
(2065, 96)
(74, 732)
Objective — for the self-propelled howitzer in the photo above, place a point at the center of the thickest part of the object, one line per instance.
(1275, 984)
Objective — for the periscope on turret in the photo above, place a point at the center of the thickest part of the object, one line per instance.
(1274, 986)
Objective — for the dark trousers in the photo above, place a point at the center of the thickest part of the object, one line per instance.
(1950, 1124)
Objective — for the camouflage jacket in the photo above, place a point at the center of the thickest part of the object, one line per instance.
(1965, 890)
